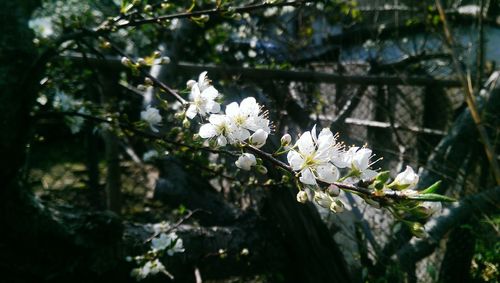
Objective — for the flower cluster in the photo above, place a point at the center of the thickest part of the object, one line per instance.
(319, 158)
(150, 263)
(239, 123)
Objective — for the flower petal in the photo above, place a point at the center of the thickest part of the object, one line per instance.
(295, 160)
(307, 177)
(306, 144)
(328, 173)
(191, 111)
(208, 131)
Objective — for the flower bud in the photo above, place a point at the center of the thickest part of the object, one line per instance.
(148, 81)
(302, 197)
(157, 54)
(246, 161)
(406, 179)
(258, 139)
(148, 8)
(286, 139)
(337, 206)
(418, 230)
(322, 199)
(427, 208)
(126, 61)
(262, 169)
(141, 61)
(333, 190)
(186, 123)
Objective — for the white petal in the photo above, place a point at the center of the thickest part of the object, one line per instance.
(195, 92)
(295, 160)
(327, 173)
(213, 107)
(217, 119)
(202, 80)
(210, 93)
(232, 109)
(249, 106)
(191, 111)
(307, 177)
(368, 174)
(221, 140)
(325, 139)
(362, 159)
(313, 134)
(208, 131)
(306, 144)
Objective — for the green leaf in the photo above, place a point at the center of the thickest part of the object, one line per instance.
(432, 188)
(383, 176)
(432, 197)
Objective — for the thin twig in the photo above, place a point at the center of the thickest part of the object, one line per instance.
(208, 12)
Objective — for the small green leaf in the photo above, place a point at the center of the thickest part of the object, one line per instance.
(432, 197)
(433, 188)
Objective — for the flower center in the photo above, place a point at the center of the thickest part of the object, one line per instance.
(240, 120)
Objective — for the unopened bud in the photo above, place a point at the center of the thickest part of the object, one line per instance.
(148, 81)
(258, 139)
(106, 45)
(262, 169)
(157, 54)
(333, 190)
(302, 197)
(136, 2)
(148, 8)
(186, 123)
(337, 206)
(286, 140)
(141, 61)
(141, 87)
(126, 61)
(418, 230)
(245, 252)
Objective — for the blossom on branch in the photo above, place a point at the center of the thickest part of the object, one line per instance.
(151, 116)
(311, 156)
(246, 161)
(202, 97)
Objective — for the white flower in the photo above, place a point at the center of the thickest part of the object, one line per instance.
(42, 27)
(219, 127)
(202, 101)
(161, 242)
(236, 125)
(177, 248)
(258, 139)
(153, 267)
(170, 241)
(313, 157)
(302, 197)
(406, 179)
(359, 161)
(246, 117)
(246, 161)
(151, 116)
